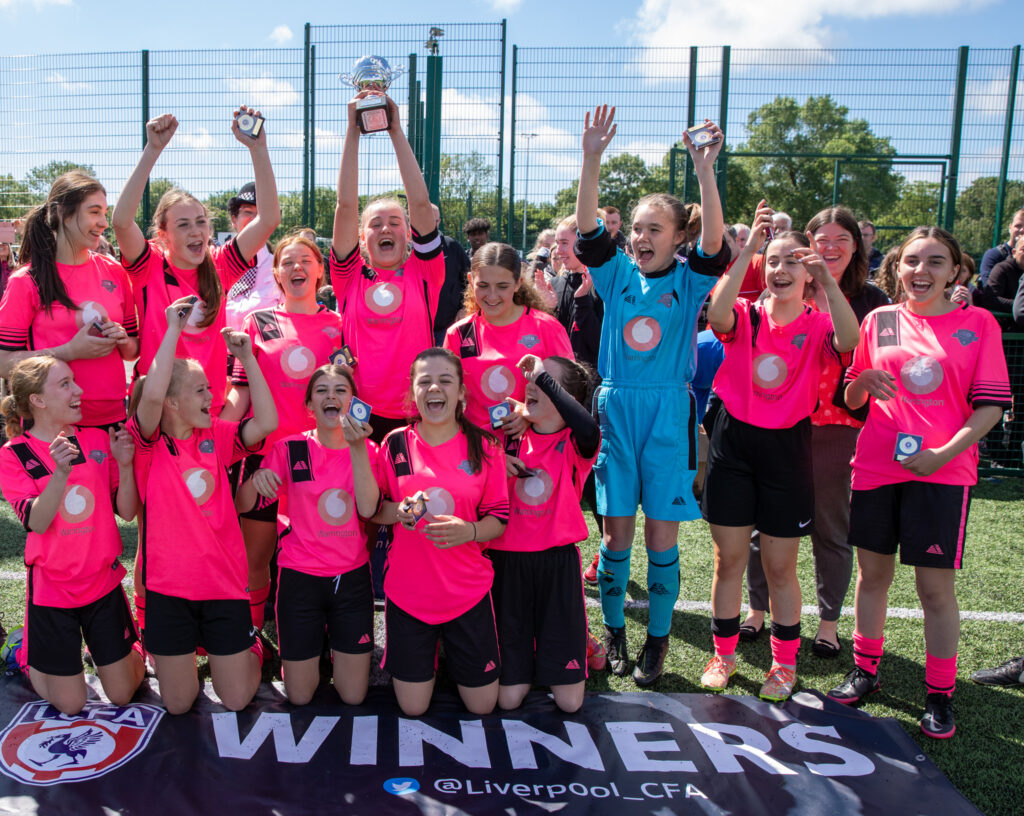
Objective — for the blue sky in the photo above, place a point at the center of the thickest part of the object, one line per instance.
(40, 26)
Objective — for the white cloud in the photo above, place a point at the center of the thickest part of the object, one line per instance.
(65, 83)
(200, 140)
(38, 4)
(757, 24)
(281, 34)
(505, 6)
(264, 92)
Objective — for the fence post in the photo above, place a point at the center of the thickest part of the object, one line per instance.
(691, 116)
(414, 100)
(723, 120)
(501, 128)
(1011, 101)
(311, 220)
(432, 123)
(672, 151)
(954, 139)
(305, 127)
(512, 152)
(147, 206)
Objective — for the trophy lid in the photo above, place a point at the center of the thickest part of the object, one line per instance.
(371, 73)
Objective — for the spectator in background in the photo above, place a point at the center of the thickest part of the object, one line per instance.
(613, 223)
(456, 272)
(478, 233)
(8, 262)
(886, 277)
(782, 221)
(1001, 252)
(867, 232)
(998, 292)
(742, 234)
(256, 288)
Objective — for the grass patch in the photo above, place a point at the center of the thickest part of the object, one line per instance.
(984, 759)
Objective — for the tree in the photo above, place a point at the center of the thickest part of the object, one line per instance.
(918, 205)
(15, 198)
(625, 179)
(976, 212)
(802, 185)
(40, 179)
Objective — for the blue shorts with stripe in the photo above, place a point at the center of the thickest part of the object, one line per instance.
(648, 450)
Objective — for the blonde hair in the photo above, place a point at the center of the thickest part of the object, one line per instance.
(210, 290)
(293, 238)
(28, 377)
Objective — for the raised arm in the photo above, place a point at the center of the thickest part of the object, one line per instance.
(264, 412)
(421, 216)
(711, 221)
(154, 387)
(366, 489)
(130, 238)
(844, 321)
(596, 137)
(721, 317)
(257, 232)
(346, 211)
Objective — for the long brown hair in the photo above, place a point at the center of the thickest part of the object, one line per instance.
(475, 436)
(39, 243)
(210, 290)
(856, 273)
(495, 253)
(28, 377)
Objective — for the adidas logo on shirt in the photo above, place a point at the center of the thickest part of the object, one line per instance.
(400, 459)
(572, 664)
(364, 639)
(887, 332)
(300, 466)
(935, 549)
(678, 500)
(490, 666)
(31, 463)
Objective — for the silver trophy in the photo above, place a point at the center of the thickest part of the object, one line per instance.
(372, 74)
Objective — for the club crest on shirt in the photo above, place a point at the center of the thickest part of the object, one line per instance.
(529, 340)
(331, 331)
(921, 375)
(109, 285)
(799, 340)
(206, 446)
(642, 333)
(77, 504)
(560, 447)
(98, 456)
(666, 300)
(965, 336)
(466, 467)
(41, 746)
(769, 371)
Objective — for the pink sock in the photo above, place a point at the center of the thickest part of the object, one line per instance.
(784, 651)
(725, 646)
(940, 674)
(140, 611)
(257, 604)
(867, 652)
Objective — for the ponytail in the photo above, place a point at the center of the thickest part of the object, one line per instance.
(28, 377)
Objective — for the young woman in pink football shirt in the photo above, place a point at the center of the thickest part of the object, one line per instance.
(505, 320)
(192, 557)
(64, 483)
(445, 484)
(759, 471)
(69, 301)
(290, 342)
(538, 584)
(180, 262)
(387, 296)
(324, 481)
(936, 374)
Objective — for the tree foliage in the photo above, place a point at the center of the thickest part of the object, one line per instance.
(39, 179)
(976, 212)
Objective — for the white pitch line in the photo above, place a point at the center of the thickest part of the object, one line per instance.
(705, 606)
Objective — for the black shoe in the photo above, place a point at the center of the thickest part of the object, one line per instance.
(1010, 673)
(748, 633)
(857, 685)
(651, 661)
(615, 647)
(937, 721)
(825, 648)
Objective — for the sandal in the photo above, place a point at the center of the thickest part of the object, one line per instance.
(824, 648)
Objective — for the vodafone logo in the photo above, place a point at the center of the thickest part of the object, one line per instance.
(383, 298)
(298, 362)
(642, 333)
(200, 484)
(769, 371)
(498, 382)
(335, 506)
(90, 312)
(77, 504)
(439, 502)
(195, 317)
(921, 375)
(535, 490)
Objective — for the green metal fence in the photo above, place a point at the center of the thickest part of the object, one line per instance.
(922, 135)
